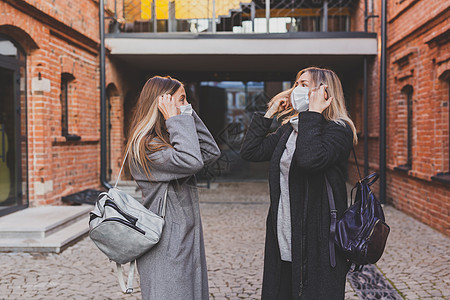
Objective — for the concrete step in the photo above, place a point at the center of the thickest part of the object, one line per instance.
(41, 222)
(55, 242)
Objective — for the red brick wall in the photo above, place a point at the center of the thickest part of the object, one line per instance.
(67, 41)
(414, 59)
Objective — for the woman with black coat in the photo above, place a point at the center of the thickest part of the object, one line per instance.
(314, 141)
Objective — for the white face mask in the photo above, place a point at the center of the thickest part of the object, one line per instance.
(186, 109)
(300, 99)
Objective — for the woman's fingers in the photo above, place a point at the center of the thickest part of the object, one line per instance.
(279, 103)
(318, 101)
(285, 102)
(166, 105)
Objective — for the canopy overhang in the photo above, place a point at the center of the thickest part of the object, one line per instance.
(248, 53)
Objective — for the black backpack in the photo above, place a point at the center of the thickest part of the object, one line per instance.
(361, 232)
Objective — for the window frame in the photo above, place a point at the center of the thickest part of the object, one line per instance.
(408, 92)
(444, 177)
(66, 80)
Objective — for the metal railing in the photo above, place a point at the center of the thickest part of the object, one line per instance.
(258, 16)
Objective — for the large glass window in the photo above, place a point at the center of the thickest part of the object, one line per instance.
(227, 108)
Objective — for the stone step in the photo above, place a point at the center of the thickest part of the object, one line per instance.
(41, 222)
(55, 242)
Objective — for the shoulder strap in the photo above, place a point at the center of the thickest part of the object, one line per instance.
(128, 289)
(356, 161)
(121, 168)
(333, 217)
(163, 210)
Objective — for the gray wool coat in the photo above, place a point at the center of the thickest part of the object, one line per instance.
(176, 267)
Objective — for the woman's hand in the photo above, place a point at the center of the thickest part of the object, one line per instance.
(167, 106)
(279, 103)
(318, 99)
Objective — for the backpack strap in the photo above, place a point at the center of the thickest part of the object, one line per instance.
(333, 220)
(162, 212)
(128, 289)
(121, 168)
(356, 162)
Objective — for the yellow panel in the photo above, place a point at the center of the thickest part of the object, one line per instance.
(162, 9)
(146, 9)
(193, 9)
(5, 179)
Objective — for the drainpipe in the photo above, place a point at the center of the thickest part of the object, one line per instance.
(366, 111)
(102, 98)
(366, 123)
(383, 104)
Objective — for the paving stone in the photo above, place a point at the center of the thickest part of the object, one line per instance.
(234, 215)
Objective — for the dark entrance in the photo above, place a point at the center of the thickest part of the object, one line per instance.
(13, 129)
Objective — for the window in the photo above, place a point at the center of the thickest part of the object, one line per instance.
(66, 79)
(230, 99)
(407, 92)
(240, 100)
(444, 176)
(448, 141)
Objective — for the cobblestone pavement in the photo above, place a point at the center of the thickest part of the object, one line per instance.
(415, 261)
(417, 258)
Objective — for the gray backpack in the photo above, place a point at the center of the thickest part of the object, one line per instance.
(123, 229)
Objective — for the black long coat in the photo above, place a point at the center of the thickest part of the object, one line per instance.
(322, 148)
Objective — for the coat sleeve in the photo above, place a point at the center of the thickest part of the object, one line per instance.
(208, 147)
(184, 158)
(257, 145)
(321, 143)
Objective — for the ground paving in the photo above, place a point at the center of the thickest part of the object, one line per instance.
(415, 262)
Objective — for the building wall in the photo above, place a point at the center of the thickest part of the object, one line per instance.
(417, 59)
(65, 36)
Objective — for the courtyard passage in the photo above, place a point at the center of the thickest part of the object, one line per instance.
(414, 265)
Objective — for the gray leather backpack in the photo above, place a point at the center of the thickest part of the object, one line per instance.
(123, 229)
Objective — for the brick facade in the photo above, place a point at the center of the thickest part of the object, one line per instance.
(417, 63)
(62, 37)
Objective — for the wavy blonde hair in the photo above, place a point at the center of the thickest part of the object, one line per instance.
(337, 111)
(148, 133)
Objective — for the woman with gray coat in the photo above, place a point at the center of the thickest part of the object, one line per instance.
(314, 142)
(169, 144)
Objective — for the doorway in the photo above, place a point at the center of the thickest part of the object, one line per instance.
(13, 136)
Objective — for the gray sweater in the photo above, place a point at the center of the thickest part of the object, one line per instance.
(284, 209)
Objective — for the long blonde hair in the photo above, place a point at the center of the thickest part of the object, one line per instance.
(337, 111)
(148, 132)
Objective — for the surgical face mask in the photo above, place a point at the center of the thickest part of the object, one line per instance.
(186, 109)
(300, 99)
